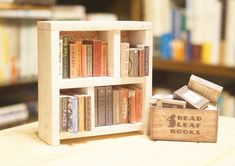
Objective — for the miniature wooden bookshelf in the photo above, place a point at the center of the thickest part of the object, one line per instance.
(50, 83)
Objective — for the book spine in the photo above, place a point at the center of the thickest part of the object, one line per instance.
(124, 59)
(75, 115)
(108, 105)
(89, 59)
(124, 105)
(96, 58)
(72, 63)
(146, 60)
(196, 52)
(136, 63)
(81, 113)
(138, 106)
(70, 114)
(104, 58)
(84, 60)
(96, 107)
(63, 111)
(79, 58)
(141, 63)
(65, 59)
(101, 106)
(88, 113)
(133, 55)
(60, 58)
(116, 106)
(131, 106)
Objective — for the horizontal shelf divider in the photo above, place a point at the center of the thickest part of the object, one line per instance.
(104, 130)
(99, 81)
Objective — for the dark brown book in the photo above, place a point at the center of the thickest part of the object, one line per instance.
(108, 105)
(65, 61)
(88, 113)
(196, 52)
(193, 99)
(124, 94)
(146, 60)
(100, 106)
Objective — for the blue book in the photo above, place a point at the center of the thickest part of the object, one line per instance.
(165, 45)
(188, 48)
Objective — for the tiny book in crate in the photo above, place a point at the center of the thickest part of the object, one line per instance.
(190, 114)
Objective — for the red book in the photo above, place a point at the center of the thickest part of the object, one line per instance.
(124, 93)
(141, 62)
(104, 58)
(131, 106)
(84, 60)
(138, 104)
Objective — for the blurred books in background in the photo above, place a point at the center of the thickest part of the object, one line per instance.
(193, 32)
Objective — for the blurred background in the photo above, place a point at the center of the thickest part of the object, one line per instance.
(190, 37)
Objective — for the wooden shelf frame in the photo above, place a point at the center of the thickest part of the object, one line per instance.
(50, 83)
(192, 67)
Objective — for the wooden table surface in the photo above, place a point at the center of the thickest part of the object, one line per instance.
(21, 146)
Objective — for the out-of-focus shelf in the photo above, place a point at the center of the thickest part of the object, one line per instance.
(192, 67)
(16, 6)
(19, 82)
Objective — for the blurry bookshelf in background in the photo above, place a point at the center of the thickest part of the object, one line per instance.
(18, 42)
(193, 32)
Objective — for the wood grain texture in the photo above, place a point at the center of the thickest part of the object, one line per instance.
(184, 124)
(21, 146)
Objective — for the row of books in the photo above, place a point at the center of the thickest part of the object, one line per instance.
(134, 60)
(190, 34)
(117, 105)
(18, 53)
(75, 113)
(83, 58)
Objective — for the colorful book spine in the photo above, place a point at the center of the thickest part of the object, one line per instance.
(124, 93)
(104, 59)
(165, 46)
(124, 59)
(70, 114)
(131, 106)
(146, 60)
(79, 58)
(72, 63)
(100, 106)
(81, 113)
(60, 58)
(96, 58)
(65, 59)
(63, 115)
(84, 60)
(138, 106)
(141, 62)
(88, 113)
(116, 106)
(108, 105)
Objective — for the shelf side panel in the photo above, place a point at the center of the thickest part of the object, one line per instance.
(48, 88)
(148, 85)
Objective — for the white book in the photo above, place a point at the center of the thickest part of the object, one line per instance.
(230, 34)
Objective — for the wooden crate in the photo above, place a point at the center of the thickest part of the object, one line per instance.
(183, 124)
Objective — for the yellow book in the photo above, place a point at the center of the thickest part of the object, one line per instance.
(178, 50)
(206, 53)
(81, 113)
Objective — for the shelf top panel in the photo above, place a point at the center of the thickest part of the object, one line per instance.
(193, 67)
(93, 25)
